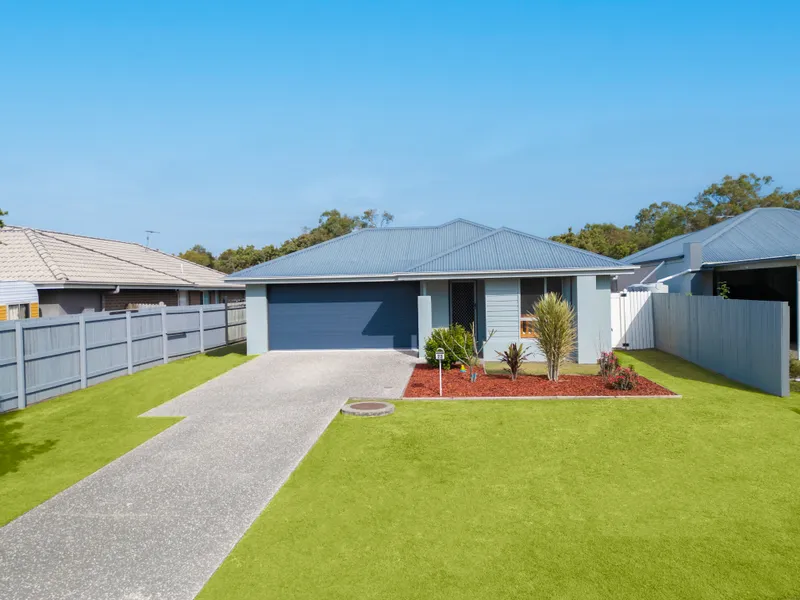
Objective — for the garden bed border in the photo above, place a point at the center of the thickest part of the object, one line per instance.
(626, 397)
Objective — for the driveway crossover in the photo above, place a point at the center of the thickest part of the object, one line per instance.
(157, 522)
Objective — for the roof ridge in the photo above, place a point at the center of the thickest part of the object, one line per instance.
(175, 256)
(405, 227)
(732, 222)
(516, 232)
(33, 237)
(130, 262)
(560, 245)
(674, 238)
(446, 252)
(467, 221)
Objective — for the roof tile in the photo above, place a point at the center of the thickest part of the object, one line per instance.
(50, 257)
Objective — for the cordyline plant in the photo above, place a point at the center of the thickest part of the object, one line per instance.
(467, 350)
(554, 328)
(513, 357)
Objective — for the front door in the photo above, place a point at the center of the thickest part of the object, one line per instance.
(462, 303)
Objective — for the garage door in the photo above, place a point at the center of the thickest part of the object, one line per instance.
(343, 316)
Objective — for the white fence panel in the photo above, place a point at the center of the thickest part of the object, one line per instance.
(632, 321)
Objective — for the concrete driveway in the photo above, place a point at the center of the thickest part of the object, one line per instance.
(157, 522)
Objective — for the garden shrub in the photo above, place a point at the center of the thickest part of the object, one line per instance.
(513, 357)
(445, 338)
(624, 379)
(609, 364)
(554, 327)
(794, 368)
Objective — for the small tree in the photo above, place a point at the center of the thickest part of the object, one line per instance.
(467, 350)
(554, 328)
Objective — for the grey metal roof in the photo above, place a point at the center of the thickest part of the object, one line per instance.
(509, 250)
(457, 246)
(758, 234)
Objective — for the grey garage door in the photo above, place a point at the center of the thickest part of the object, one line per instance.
(331, 316)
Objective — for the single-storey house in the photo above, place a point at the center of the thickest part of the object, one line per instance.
(74, 274)
(388, 287)
(755, 254)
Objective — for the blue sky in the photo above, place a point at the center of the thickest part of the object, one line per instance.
(234, 123)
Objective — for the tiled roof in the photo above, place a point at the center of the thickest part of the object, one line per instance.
(755, 235)
(44, 257)
(457, 246)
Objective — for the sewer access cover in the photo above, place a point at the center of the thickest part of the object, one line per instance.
(368, 409)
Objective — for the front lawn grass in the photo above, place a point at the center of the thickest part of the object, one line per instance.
(47, 447)
(634, 499)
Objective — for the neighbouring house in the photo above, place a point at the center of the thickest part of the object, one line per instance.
(75, 274)
(755, 256)
(388, 287)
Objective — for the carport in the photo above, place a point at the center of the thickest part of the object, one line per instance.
(776, 281)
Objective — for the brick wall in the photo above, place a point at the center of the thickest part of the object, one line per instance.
(125, 297)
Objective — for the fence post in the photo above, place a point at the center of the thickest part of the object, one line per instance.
(202, 340)
(226, 320)
(164, 339)
(21, 399)
(82, 345)
(129, 341)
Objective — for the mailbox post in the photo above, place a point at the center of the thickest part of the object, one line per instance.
(440, 358)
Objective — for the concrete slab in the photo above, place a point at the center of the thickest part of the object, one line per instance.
(156, 523)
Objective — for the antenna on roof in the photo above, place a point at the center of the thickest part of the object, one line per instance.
(149, 232)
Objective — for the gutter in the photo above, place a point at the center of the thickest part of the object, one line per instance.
(723, 263)
(139, 286)
(435, 275)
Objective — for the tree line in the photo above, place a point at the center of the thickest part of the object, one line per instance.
(659, 222)
(653, 224)
(332, 224)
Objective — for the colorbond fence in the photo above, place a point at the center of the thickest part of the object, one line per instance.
(745, 340)
(64, 354)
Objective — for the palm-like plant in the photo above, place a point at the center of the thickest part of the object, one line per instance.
(554, 328)
(513, 357)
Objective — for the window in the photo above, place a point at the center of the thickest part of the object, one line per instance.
(531, 290)
(17, 312)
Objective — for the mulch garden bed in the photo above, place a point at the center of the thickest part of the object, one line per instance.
(424, 383)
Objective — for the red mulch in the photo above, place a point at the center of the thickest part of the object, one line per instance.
(424, 382)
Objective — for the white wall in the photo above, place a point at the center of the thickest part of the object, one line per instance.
(257, 325)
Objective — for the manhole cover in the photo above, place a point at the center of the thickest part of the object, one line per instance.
(368, 409)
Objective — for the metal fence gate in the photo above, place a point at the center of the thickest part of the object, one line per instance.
(632, 321)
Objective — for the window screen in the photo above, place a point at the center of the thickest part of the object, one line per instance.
(530, 291)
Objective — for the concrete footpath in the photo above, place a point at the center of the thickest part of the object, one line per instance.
(156, 523)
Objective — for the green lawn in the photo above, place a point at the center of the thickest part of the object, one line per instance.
(49, 446)
(695, 498)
